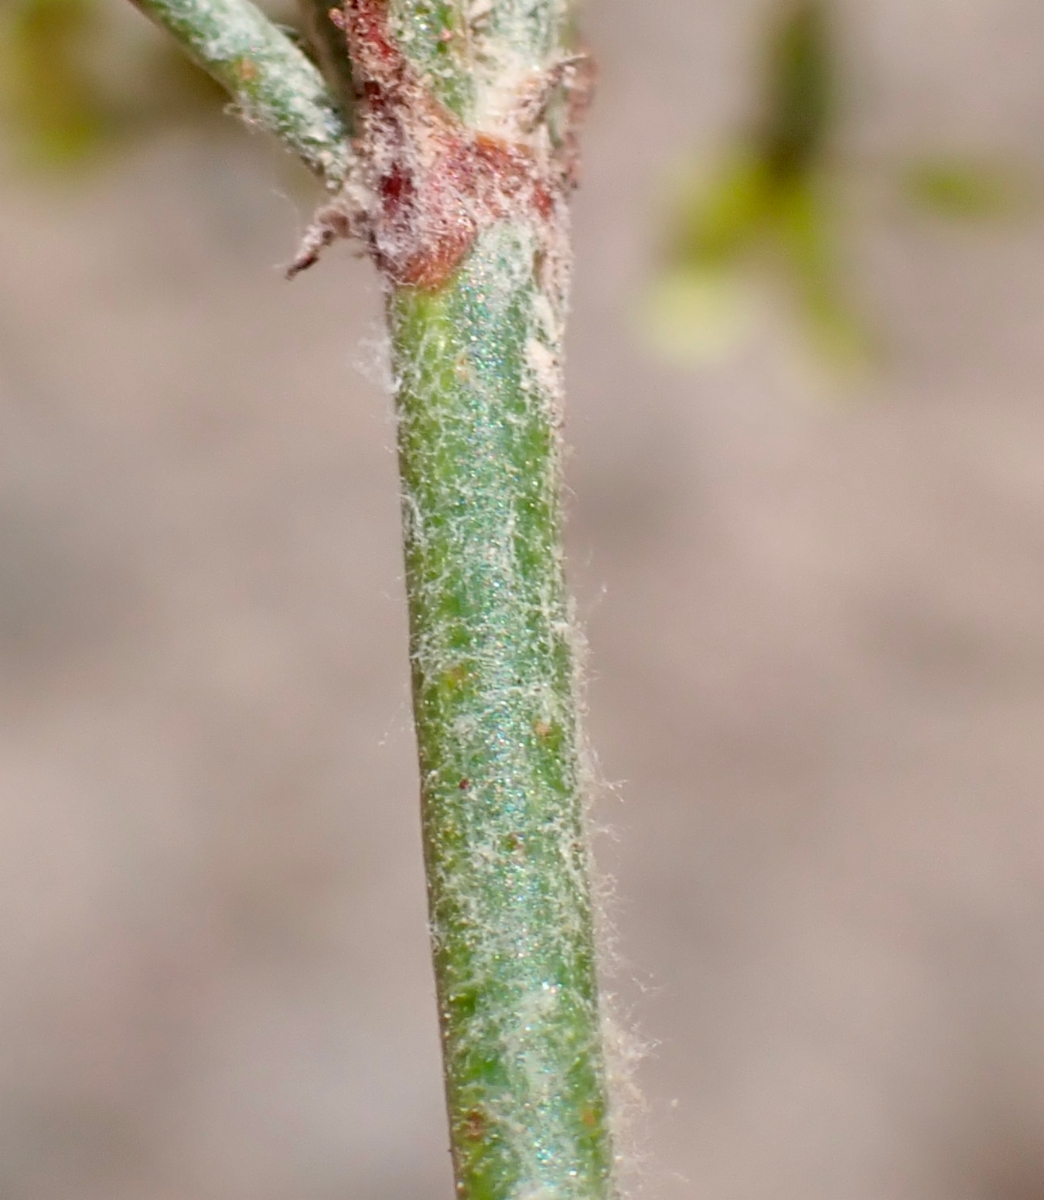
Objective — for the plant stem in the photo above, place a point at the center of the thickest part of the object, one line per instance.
(328, 45)
(477, 361)
(477, 365)
(497, 733)
(275, 86)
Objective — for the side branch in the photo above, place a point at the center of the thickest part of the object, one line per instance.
(275, 86)
(327, 41)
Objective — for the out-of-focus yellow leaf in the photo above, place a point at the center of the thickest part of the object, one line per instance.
(46, 93)
(770, 200)
(805, 220)
(716, 225)
(960, 189)
(692, 315)
(772, 204)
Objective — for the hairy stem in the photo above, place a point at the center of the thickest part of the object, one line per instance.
(477, 365)
(275, 86)
(497, 734)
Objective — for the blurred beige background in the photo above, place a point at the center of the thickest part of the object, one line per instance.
(817, 670)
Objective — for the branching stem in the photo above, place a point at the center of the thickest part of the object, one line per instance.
(275, 86)
(477, 351)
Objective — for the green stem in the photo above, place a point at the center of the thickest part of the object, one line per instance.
(274, 84)
(495, 707)
(478, 393)
(477, 364)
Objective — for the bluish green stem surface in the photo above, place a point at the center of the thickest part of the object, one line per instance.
(494, 695)
(275, 86)
(479, 392)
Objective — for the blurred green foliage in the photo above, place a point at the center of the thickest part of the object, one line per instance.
(801, 101)
(773, 196)
(81, 76)
(774, 201)
(47, 93)
(960, 189)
